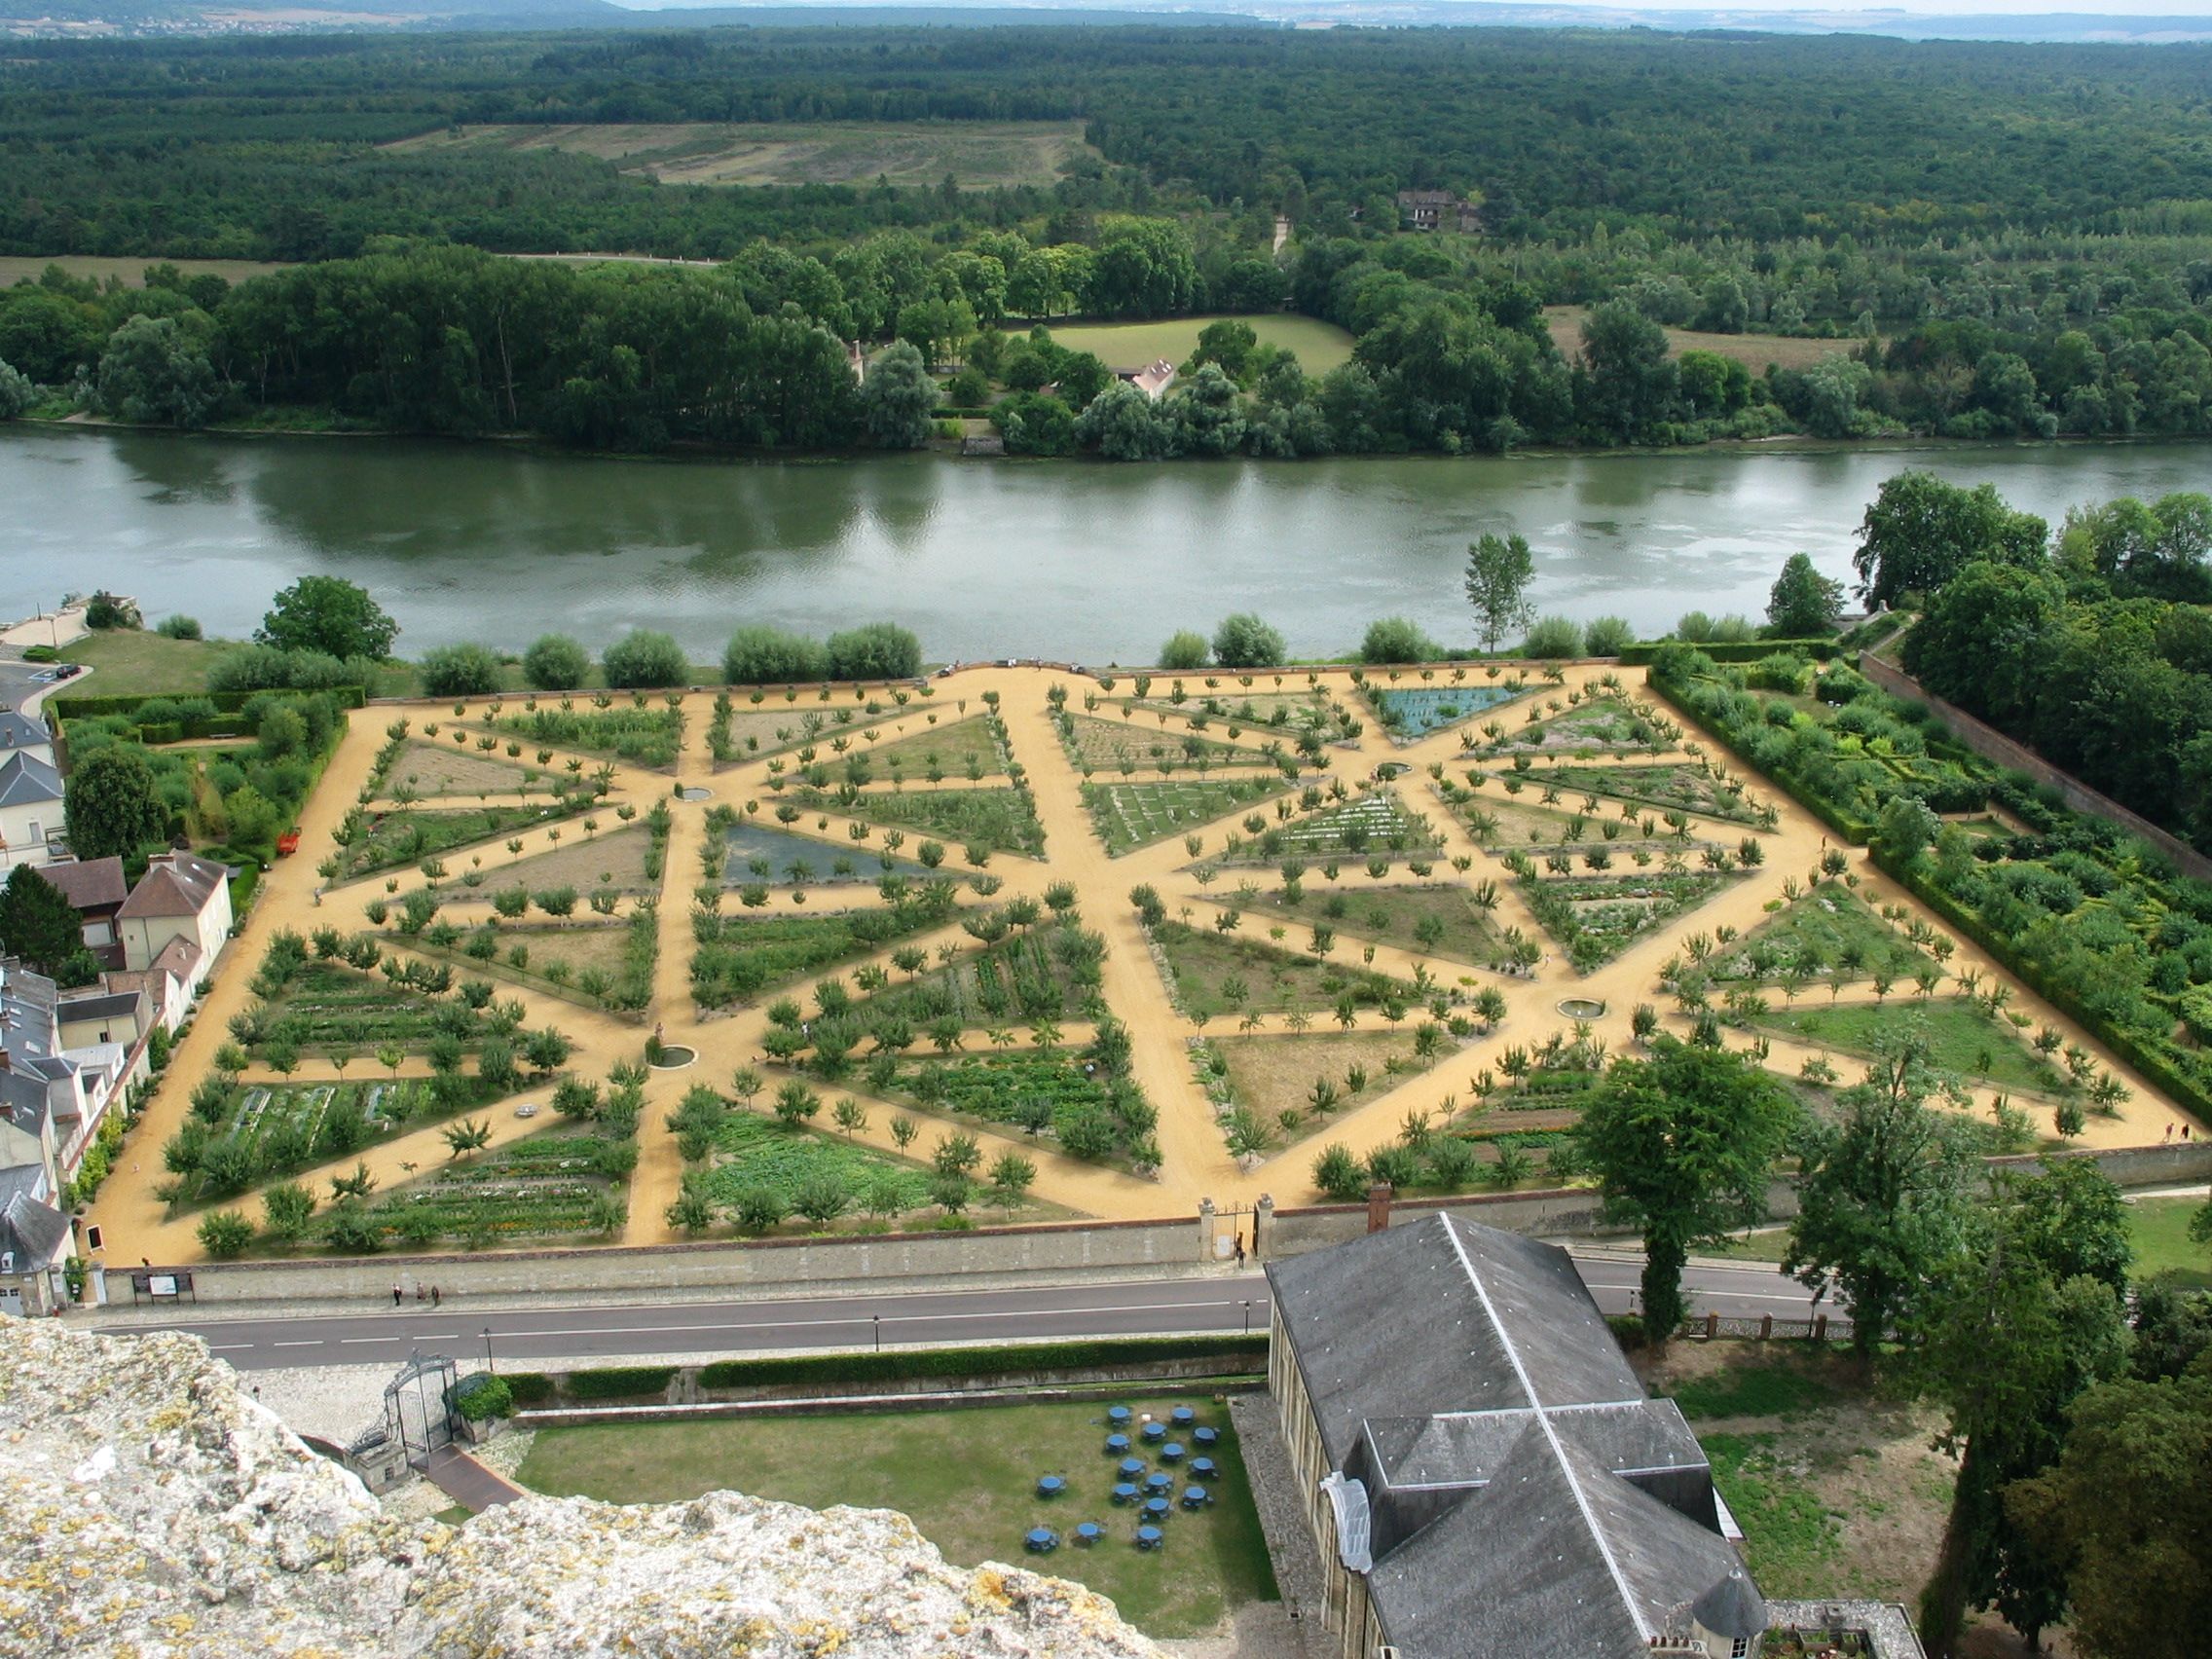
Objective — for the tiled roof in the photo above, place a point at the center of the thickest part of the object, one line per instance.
(89, 884)
(175, 884)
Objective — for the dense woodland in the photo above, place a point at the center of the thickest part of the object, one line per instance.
(2004, 239)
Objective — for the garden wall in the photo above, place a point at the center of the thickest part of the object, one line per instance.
(1992, 745)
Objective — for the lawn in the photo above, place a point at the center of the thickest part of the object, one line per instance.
(1604, 724)
(1753, 350)
(132, 662)
(550, 1185)
(446, 769)
(967, 1479)
(1666, 788)
(1319, 347)
(752, 1151)
(1129, 815)
(996, 821)
(1112, 745)
(1961, 1038)
(1274, 1075)
(131, 269)
(966, 748)
(1829, 933)
(405, 835)
(1440, 919)
(981, 155)
(2160, 1230)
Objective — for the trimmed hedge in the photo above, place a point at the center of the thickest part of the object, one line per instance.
(230, 702)
(529, 1387)
(911, 1364)
(1731, 650)
(1853, 830)
(616, 1382)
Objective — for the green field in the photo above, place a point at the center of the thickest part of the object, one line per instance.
(29, 268)
(967, 1480)
(979, 154)
(2160, 1230)
(1961, 1038)
(1319, 346)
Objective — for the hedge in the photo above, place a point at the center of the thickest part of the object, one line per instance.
(2121, 1041)
(1731, 650)
(230, 702)
(1854, 830)
(529, 1387)
(915, 1363)
(616, 1382)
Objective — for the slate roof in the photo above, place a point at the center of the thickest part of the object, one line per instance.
(1518, 1483)
(180, 959)
(107, 1005)
(176, 884)
(27, 781)
(19, 730)
(89, 884)
(35, 1233)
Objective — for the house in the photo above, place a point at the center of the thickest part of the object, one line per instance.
(170, 982)
(96, 888)
(1153, 380)
(35, 1241)
(1482, 1471)
(97, 1016)
(1437, 209)
(20, 734)
(30, 809)
(180, 897)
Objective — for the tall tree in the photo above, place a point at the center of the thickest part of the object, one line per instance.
(328, 613)
(1683, 1144)
(1803, 602)
(43, 928)
(1499, 570)
(111, 809)
(1879, 1198)
(1921, 531)
(898, 396)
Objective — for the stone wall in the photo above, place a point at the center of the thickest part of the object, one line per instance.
(1992, 745)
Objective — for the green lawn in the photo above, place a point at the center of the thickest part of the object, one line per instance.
(1202, 962)
(1401, 916)
(1961, 1038)
(134, 663)
(993, 820)
(1831, 932)
(1319, 346)
(967, 1478)
(2159, 1230)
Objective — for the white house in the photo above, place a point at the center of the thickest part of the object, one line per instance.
(20, 734)
(30, 809)
(180, 897)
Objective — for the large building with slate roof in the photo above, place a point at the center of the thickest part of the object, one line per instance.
(1483, 1473)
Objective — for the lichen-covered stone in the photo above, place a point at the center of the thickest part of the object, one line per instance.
(155, 1512)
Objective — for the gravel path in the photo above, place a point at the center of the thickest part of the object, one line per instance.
(1297, 1632)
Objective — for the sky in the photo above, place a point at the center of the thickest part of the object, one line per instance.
(2193, 8)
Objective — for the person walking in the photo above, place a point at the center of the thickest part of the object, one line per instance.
(434, 1297)
(395, 1298)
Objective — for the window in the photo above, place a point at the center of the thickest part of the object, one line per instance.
(1740, 1648)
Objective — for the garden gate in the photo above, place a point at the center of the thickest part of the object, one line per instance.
(417, 1406)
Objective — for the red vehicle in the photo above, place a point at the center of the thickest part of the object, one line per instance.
(287, 843)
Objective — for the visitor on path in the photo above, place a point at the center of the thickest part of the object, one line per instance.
(395, 1298)
(434, 1297)
(1240, 1249)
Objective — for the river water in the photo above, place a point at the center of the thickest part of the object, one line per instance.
(1074, 560)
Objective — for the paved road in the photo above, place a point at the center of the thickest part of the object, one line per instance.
(1131, 1309)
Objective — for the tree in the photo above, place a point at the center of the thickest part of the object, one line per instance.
(111, 809)
(1243, 641)
(460, 671)
(874, 650)
(1803, 602)
(1684, 1145)
(760, 655)
(155, 372)
(1499, 571)
(2128, 1509)
(328, 615)
(1125, 424)
(1011, 1176)
(17, 392)
(896, 398)
(1184, 651)
(225, 1234)
(1921, 531)
(40, 925)
(2005, 1341)
(1985, 641)
(555, 662)
(286, 1209)
(1880, 1194)
(643, 659)
(1394, 639)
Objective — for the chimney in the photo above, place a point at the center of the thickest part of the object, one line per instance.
(1379, 1206)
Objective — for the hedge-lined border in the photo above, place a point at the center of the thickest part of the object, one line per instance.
(1640, 654)
(225, 702)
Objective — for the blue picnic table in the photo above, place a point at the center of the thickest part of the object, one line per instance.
(1090, 1533)
(1123, 1493)
(1117, 1416)
(1117, 1445)
(1041, 1540)
(1156, 1509)
(1051, 1485)
(1171, 1453)
(1183, 1416)
(1203, 1469)
(1149, 1537)
(1196, 1497)
(1206, 1436)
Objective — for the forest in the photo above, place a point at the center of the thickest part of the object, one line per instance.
(2001, 239)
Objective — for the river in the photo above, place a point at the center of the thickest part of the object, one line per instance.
(1075, 559)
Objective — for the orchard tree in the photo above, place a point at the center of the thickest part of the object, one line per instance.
(1682, 1144)
(111, 809)
(1499, 570)
(328, 615)
(1803, 602)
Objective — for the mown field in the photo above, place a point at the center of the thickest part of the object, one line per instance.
(29, 268)
(1318, 345)
(1753, 350)
(981, 155)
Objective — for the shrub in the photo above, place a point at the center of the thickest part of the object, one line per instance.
(1243, 641)
(178, 628)
(875, 651)
(644, 660)
(556, 663)
(225, 1234)
(977, 1362)
(1608, 636)
(616, 1382)
(1340, 1175)
(1184, 651)
(766, 656)
(460, 671)
(529, 1387)
(1553, 637)
(483, 1394)
(1395, 639)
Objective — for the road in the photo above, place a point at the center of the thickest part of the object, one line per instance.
(1141, 1307)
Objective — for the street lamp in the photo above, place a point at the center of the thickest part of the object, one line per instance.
(1247, 1316)
(877, 1320)
(488, 1365)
